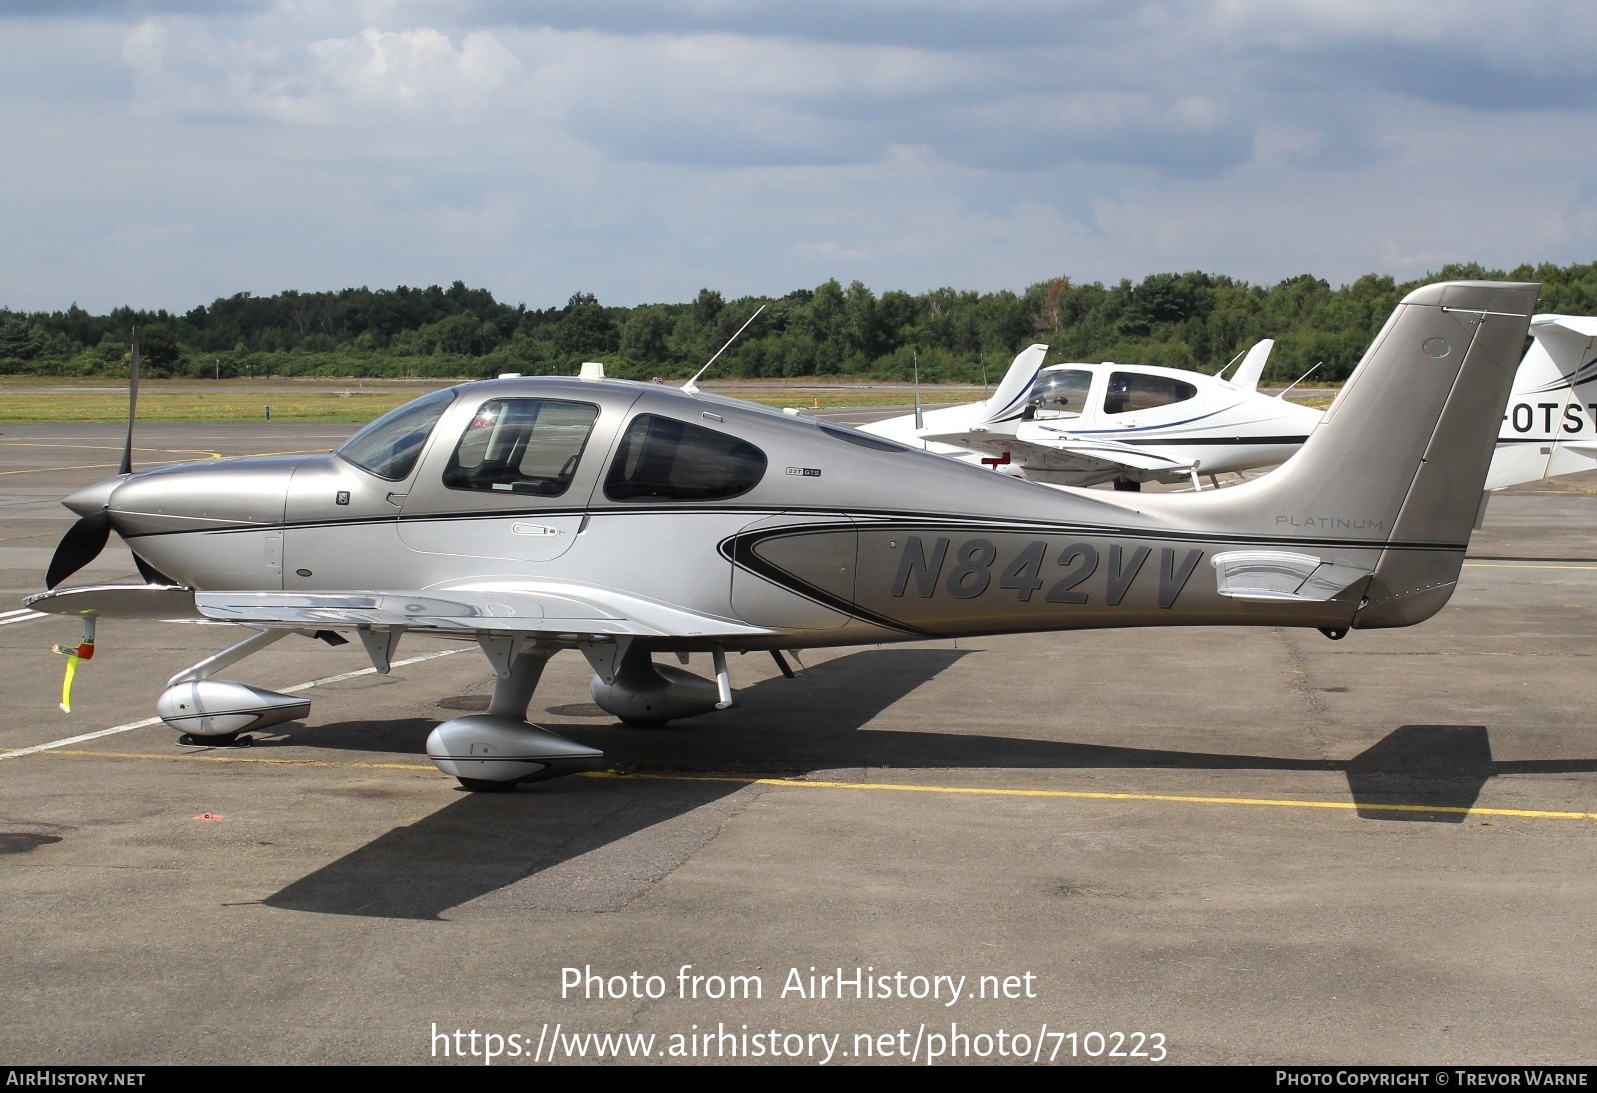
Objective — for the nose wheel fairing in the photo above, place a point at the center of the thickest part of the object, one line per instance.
(493, 750)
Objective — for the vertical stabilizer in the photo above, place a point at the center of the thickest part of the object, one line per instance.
(1551, 424)
(1450, 353)
(1010, 398)
(1252, 366)
(1392, 480)
(1561, 355)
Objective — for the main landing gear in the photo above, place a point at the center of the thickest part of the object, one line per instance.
(487, 752)
(494, 751)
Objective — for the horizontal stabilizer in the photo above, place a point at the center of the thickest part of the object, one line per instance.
(1010, 398)
(1279, 575)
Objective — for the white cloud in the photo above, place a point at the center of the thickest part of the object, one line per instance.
(413, 66)
(641, 150)
(194, 68)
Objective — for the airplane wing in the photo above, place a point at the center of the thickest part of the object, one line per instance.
(119, 601)
(1041, 447)
(522, 607)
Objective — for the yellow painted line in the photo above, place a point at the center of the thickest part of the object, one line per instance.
(106, 447)
(84, 754)
(166, 451)
(1522, 565)
(52, 470)
(896, 787)
(1083, 795)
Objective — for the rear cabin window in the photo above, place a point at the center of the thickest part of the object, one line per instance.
(522, 445)
(1130, 391)
(662, 459)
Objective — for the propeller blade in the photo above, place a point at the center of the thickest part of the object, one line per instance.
(133, 402)
(150, 574)
(80, 546)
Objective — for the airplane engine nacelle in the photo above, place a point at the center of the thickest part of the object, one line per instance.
(491, 748)
(221, 707)
(645, 692)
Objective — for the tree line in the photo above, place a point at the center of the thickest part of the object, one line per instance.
(1186, 320)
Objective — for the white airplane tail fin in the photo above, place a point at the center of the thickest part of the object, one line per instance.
(1560, 357)
(1252, 366)
(1551, 424)
(1010, 399)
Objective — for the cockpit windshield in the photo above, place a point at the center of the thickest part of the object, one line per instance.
(390, 446)
(1058, 393)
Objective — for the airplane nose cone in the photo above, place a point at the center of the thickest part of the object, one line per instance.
(91, 499)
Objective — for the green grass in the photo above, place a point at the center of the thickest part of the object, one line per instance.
(47, 400)
(188, 406)
(55, 401)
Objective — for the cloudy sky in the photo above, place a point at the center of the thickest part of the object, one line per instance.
(165, 152)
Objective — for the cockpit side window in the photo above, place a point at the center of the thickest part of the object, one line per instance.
(1058, 393)
(1129, 391)
(390, 446)
(522, 445)
(662, 459)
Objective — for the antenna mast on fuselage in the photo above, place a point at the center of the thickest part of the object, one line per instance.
(692, 386)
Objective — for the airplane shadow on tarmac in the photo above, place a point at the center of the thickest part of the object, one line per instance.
(586, 844)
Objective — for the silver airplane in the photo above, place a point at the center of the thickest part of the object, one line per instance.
(628, 520)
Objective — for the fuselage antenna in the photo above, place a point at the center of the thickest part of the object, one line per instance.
(692, 386)
(1220, 375)
(1299, 380)
(915, 359)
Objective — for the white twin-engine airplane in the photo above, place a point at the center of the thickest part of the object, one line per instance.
(627, 520)
(1083, 424)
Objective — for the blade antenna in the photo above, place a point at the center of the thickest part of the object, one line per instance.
(1299, 380)
(692, 386)
(133, 402)
(915, 359)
